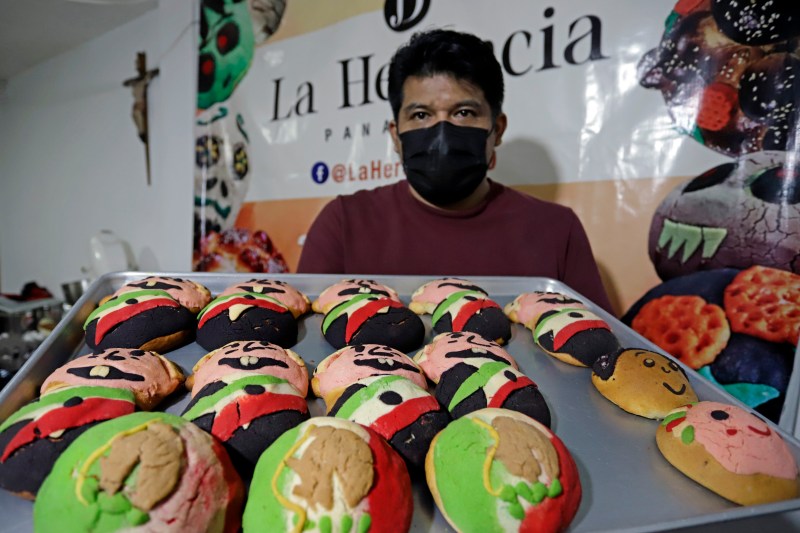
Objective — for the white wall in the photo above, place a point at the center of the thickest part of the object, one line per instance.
(72, 164)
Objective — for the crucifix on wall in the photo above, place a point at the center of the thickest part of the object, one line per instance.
(139, 86)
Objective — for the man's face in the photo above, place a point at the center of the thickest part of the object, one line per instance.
(431, 99)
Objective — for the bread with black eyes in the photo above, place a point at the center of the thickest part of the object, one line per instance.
(642, 382)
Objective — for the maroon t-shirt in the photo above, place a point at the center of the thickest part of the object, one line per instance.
(387, 231)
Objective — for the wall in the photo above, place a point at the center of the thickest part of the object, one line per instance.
(71, 162)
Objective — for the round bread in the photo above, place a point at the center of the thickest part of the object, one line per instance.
(473, 311)
(575, 336)
(351, 363)
(425, 299)
(183, 480)
(499, 470)
(371, 319)
(188, 293)
(526, 308)
(297, 302)
(150, 376)
(247, 413)
(730, 452)
(243, 358)
(329, 474)
(400, 411)
(346, 289)
(642, 382)
(473, 385)
(448, 349)
(147, 319)
(33, 437)
(245, 316)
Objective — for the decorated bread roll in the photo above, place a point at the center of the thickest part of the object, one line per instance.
(329, 474)
(296, 301)
(403, 413)
(188, 293)
(147, 319)
(243, 358)
(247, 413)
(371, 319)
(35, 436)
(496, 470)
(425, 299)
(448, 349)
(346, 289)
(155, 471)
(575, 336)
(346, 366)
(473, 385)
(526, 308)
(642, 382)
(472, 311)
(150, 376)
(246, 316)
(729, 451)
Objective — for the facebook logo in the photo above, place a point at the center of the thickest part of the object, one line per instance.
(320, 172)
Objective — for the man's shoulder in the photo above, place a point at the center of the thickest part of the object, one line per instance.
(366, 196)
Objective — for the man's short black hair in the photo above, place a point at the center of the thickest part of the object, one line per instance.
(460, 55)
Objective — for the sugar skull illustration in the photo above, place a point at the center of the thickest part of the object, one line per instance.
(734, 215)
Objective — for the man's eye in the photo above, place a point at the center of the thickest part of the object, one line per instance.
(419, 115)
(465, 113)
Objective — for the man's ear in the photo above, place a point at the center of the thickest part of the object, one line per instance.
(395, 137)
(500, 125)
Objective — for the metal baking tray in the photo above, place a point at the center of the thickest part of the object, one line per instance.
(627, 484)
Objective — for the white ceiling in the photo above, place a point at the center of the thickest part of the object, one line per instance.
(34, 30)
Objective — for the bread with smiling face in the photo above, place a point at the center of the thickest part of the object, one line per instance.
(642, 382)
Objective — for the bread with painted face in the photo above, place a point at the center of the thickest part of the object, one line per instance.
(478, 383)
(246, 316)
(349, 364)
(329, 474)
(448, 349)
(425, 299)
(642, 382)
(575, 336)
(33, 437)
(400, 411)
(730, 452)
(182, 480)
(247, 413)
(499, 470)
(297, 302)
(147, 319)
(346, 289)
(373, 319)
(149, 376)
(188, 293)
(245, 358)
(473, 311)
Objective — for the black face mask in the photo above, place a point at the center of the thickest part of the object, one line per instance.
(445, 163)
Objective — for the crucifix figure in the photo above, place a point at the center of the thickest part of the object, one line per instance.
(139, 87)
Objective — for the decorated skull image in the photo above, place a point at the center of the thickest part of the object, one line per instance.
(229, 32)
(728, 72)
(446, 350)
(693, 229)
(221, 173)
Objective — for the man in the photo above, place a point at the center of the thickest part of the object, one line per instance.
(448, 218)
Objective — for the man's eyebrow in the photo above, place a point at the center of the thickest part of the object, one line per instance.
(470, 102)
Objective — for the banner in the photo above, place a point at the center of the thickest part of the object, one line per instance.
(670, 128)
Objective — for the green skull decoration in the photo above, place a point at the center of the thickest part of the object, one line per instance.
(227, 44)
